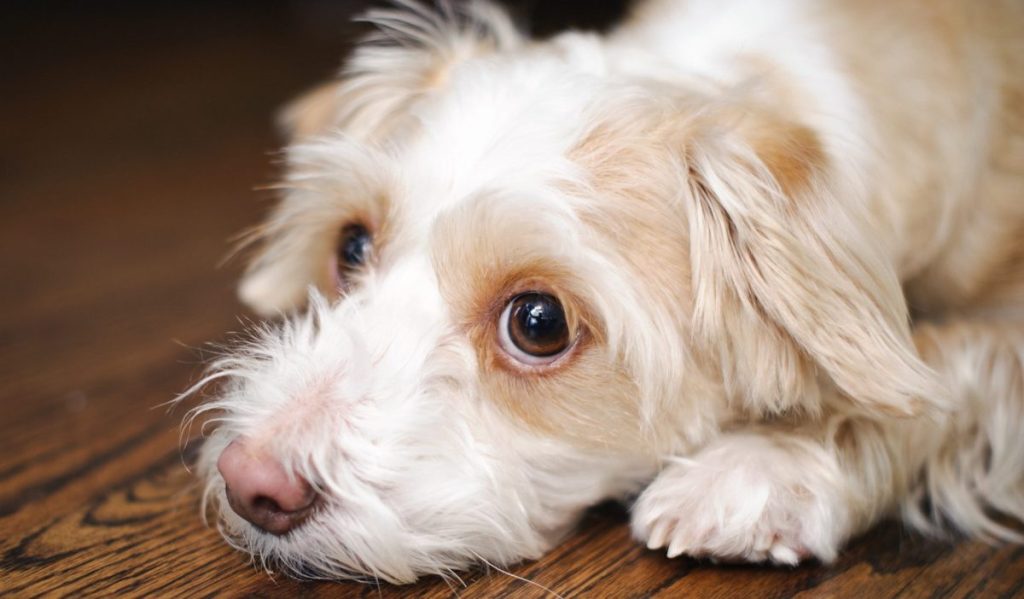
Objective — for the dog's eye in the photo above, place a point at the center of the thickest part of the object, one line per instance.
(354, 247)
(533, 329)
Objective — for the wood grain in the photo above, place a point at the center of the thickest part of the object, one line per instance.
(132, 135)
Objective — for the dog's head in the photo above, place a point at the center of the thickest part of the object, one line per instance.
(524, 276)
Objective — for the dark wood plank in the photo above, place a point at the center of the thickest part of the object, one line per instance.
(133, 134)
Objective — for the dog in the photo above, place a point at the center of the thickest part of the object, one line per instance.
(755, 266)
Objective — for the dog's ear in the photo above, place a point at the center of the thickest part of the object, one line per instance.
(313, 113)
(791, 285)
(279, 277)
(412, 53)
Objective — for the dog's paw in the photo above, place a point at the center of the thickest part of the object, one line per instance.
(747, 498)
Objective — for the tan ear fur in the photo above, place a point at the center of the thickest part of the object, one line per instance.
(788, 281)
(312, 113)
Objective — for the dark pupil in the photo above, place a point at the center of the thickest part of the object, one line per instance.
(537, 325)
(355, 244)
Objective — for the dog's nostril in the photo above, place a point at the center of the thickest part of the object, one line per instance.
(266, 503)
(271, 506)
(259, 489)
(268, 515)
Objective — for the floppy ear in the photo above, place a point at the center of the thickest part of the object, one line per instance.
(279, 277)
(412, 53)
(790, 281)
(411, 56)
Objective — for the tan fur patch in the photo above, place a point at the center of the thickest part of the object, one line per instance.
(485, 253)
(790, 151)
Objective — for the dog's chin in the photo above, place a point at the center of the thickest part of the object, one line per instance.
(333, 546)
(314, 551)
(280, 555)
(270, 555)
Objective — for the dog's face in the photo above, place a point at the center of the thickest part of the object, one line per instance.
(465, 381)
(523, 280)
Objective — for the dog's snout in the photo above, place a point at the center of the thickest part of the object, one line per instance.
(262, 491)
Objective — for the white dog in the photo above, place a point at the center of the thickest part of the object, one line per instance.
(675, 262)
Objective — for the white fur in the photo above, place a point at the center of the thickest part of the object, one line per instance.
(748, 497)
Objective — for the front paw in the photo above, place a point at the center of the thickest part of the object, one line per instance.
(750, 498)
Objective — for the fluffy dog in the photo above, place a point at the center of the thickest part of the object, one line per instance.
(757, 264)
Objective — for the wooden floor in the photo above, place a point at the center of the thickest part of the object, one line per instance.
(131, 139)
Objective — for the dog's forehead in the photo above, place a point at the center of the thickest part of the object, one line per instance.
(499, 125)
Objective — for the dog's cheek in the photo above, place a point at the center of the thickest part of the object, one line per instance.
(589, 402)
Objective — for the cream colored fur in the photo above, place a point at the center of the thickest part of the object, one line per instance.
(789, 235)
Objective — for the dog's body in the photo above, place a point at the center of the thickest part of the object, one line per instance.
(734, 206)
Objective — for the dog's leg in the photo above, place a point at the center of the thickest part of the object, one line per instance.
(783, 493)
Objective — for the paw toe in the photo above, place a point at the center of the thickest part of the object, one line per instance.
(783, 554)
(659, 534)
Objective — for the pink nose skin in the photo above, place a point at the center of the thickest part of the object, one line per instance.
(260, 490)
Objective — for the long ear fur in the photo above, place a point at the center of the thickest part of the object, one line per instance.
(789, 281)
(412, 53)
